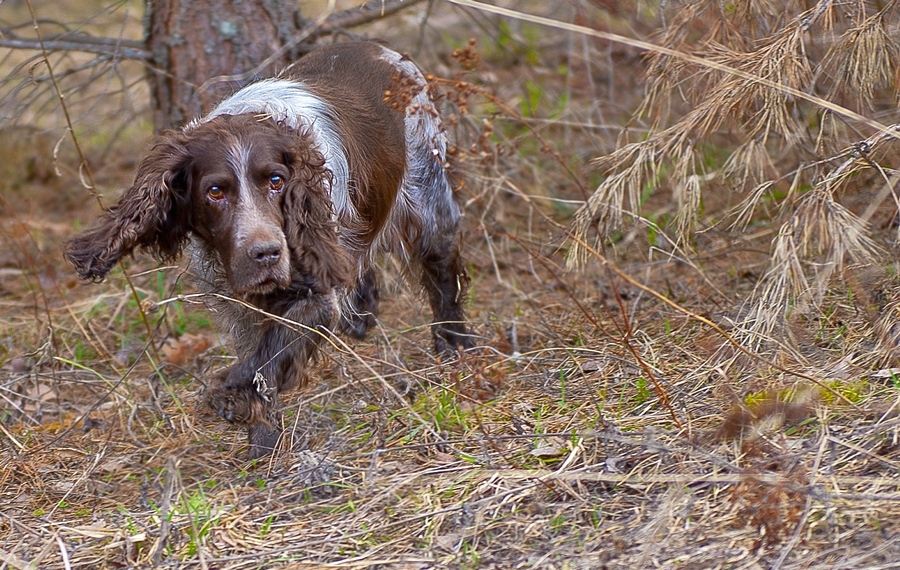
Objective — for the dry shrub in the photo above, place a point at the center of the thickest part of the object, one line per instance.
(774, 510)
(798, 99)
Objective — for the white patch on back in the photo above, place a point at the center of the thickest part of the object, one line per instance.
(422, 123)
(425, 192)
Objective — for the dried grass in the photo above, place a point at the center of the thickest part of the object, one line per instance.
(526, 480)
(601, 425)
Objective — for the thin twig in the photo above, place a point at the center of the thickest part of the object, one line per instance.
(696, 60)
(86, 169)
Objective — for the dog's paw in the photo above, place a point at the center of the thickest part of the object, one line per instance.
(243, 403)
(450, 338)
(263, 438)
(356, 325)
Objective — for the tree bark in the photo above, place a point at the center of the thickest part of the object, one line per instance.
(193, 41)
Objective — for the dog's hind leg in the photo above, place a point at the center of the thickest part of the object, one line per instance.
(436, 252)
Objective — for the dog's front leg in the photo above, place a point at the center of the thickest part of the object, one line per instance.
(248, 391)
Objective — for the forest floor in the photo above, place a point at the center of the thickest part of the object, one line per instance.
(605, 421)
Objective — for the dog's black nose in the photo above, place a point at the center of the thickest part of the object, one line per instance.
(265, 253)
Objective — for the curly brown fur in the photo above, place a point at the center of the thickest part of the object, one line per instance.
(235, 402)
(310, 228)
(152, 214)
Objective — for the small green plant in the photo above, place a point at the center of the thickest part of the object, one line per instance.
(203, 516)
(855, 391)
(266, 526)
(509, 46)
(643, 390)
(84, 353)
(179, 320)
(442, 408)
(472, 559)
(558, 522)
(593, 517)
(895, 380)
(562, 387)
(532, 99)
(755, 398)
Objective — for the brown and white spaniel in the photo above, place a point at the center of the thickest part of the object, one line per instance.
(286, 192)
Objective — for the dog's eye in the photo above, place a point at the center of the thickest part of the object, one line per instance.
(276, 183)
(215, 193)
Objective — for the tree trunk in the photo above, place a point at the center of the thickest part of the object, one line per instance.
(194, 41)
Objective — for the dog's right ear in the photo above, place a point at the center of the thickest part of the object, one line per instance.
(154, 213)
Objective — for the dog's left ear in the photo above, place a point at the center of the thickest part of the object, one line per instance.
(154, 213)
(310, 225)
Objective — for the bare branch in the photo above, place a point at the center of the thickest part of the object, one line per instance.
(368, 12)
(127, 49)
(135, 49)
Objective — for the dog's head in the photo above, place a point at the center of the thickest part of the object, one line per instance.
(254, 192)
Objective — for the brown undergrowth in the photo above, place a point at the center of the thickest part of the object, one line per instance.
(600, 424)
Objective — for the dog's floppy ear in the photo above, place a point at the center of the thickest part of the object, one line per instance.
(153, 214)
(309, 219)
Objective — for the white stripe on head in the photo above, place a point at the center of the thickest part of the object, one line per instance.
(239, 160)
(248, 218)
